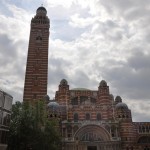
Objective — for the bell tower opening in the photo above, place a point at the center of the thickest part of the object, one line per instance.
(92, 148)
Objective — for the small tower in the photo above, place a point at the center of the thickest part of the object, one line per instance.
(35, 86)
(62, 95)
(103, 94)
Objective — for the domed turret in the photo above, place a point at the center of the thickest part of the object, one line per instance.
(121, 106)
(41, 10)
(103, 83)
(46, 98)
(123, 112)
(63, 82)
(53, 107)
(118, 99)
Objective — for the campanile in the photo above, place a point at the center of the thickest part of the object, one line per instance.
(35, 86)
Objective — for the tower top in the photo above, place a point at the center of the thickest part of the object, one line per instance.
(41, 10)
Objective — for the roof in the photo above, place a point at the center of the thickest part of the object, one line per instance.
(121, 106)
(42, 8)
(80, 89)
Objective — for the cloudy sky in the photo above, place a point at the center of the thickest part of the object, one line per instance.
(90, 40)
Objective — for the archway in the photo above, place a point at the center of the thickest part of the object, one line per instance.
(92, 133)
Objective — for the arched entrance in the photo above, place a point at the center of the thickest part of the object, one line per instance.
(91, 136)
(92, 133)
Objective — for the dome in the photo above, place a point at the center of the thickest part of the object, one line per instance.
(103, 83)
(121, 106)
(63, 82)
(80, 89)
(53, 106)
(41, 10)
(118, 99)
(46, 98)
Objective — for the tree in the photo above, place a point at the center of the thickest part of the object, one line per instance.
(30, 128)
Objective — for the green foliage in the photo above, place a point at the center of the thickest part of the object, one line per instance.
(31, 129)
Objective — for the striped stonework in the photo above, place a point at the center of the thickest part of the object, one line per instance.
(94, 120)
(35, 86)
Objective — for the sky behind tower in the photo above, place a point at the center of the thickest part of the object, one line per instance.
(90, 40)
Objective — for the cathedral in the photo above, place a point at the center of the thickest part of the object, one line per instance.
(88, 119)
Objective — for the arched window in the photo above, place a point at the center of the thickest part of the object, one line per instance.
(39, 38)
(99, 116)
(147, 129)
(76, 117)
(87, 116)
(140, 129)
(113, 131)
(143, 128)
(69, 128)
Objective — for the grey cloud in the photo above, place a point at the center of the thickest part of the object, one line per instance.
(57, 70)
(139, 60)
(129, 8)
(131, 78)
(7, 48)
(62, 30)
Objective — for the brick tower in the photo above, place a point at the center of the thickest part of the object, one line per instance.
(35, 86)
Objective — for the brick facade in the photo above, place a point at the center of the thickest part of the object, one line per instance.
(94, 120)
(35, 86)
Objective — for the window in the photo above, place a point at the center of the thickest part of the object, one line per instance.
(98, 116)
(74, 101)
(1, 99)
(3, 137)
(93, 100)
(6, 119)
(91, 136)
(87, 116)
(39, 38)
(143, 128)
(75, 128)
(147, 129)
(69, 130)
(64, 132)
(1, 114)
(83, 99)
(76, 117)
